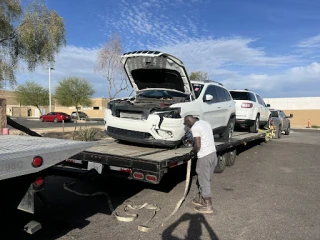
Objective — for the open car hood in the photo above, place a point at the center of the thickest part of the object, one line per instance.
(153, 69)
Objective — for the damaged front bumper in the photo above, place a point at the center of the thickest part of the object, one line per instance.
(155, 130)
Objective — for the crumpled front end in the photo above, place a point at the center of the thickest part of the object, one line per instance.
(147, 124)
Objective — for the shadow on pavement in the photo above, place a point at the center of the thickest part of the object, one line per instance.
(197, 223)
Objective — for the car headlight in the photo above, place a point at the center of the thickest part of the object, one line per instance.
(171, 113)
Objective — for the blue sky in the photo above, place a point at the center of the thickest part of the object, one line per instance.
(271, 47)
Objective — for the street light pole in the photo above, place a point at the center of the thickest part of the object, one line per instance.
(50, 68)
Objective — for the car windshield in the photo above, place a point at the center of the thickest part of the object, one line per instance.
(161, 94)
(274, 113)
(240, 95)
(197, 88)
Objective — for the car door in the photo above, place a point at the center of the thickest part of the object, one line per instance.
(285, 120)
(262, 109)
(223, 108)
(210, 108)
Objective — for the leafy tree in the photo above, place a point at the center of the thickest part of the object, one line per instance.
(33, 35)
(198, 76)
(109, 65)
(74, 92)
(32, 94)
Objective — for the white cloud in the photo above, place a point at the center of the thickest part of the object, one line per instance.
(71, 61)
(210, 54)
(300, 81)
(312, 42)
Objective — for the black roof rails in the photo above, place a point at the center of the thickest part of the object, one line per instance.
(208, 81)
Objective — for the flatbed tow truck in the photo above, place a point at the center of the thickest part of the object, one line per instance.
(149, 164)
(24, 163)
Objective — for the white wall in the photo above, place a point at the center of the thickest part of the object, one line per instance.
(305, 103)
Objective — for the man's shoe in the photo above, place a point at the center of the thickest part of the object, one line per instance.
(198, 200)
(206, 207)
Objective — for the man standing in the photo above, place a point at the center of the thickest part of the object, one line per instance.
(205, 149)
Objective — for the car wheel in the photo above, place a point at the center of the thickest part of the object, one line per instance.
(55, 120)
(230, 129)
(255, 127)
(41, 119)
(221, 164)
(287, 132)
(231, 157)
(268, 124)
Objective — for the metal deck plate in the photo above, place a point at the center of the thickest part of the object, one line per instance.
(17, 153)
(112, 147)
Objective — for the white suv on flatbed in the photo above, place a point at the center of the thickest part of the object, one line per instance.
(163, 96)
(252, 112)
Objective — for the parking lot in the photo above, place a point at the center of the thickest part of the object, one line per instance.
(272, 192)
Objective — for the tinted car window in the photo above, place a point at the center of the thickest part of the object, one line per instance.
(212, 91)
(260, 100)
(240, 95)
(197, 88)
(221, 94)
(282, 114)
(228, 97)
(274, 113)
(252, 97)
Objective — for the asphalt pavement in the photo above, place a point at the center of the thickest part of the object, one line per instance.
(272, 192)
(34, 123)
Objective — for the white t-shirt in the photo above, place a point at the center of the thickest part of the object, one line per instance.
(203, 130)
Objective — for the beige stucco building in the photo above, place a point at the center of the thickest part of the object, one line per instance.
(303, 109)
(14, 108)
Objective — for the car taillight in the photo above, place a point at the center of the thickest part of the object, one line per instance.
(39, 181)
(138, 175)
(151, 178)
(246, 105)
(37, 161)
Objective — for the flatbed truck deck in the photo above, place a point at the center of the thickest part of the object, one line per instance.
(150, 163)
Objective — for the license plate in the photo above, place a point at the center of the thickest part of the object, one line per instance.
(96, 166)
(121, 169)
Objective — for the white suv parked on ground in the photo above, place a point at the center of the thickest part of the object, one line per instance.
(163, 96)
(252, 112)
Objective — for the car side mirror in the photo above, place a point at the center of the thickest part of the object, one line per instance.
(291, 115)
(208, 98)
(268, 105)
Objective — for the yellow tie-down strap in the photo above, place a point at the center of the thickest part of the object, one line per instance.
(132, 216)
(269, 132)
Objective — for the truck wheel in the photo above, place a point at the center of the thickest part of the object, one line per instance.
(55, 120)
(221, 164)
(287, 131)
(255, 127)
(231, 157)
(230, 128)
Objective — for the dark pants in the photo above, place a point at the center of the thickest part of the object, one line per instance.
(205, 168)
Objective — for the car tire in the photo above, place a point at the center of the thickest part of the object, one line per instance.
(221, 164)
(287, 131)
(41, 119)
(255, 127)
(229, 130)
(231, 157)
(268, 124)
(55, 120)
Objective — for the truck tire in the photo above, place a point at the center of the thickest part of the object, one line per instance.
(287, 131)
(231, 157)
(221, 164)
(255, 127)
(229, 130)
